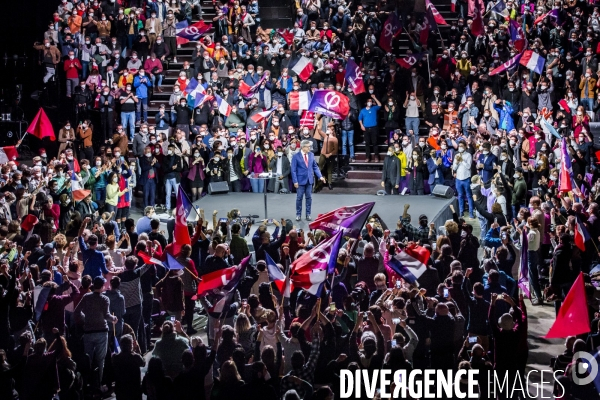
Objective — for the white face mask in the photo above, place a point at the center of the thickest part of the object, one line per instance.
(170, 152)
(415, 156)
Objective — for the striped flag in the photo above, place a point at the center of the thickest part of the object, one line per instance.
(299, 101)
(223, 280)
(533, 61)
(263, 115)
(566, 172)
(323, 256)
(312, 282)
(523, 267)
(466, 94)
(223, 107)
(248, 91)
(185, 32)
(303, 68)
(75, 185)
(581, 235)
(148, 259)
(116, 346)
(307, 119)
(411, 263)
(276, 276)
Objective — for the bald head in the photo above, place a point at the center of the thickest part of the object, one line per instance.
(221, 250)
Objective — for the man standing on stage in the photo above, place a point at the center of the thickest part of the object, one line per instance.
(303, 168)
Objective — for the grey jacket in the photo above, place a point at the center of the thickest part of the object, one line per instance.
(139, 144)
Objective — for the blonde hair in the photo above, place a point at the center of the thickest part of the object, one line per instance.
(229, 373)
(451, 227)
(475, 179)
(60, 240)
(242, 324)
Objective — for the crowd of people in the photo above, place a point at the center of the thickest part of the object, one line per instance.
(80, 299)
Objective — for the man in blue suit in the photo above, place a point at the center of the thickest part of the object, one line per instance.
(304, 167)
(486, 162)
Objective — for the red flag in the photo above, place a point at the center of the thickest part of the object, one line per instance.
(572, 318)
(223, 280)
(436, 14)
(475, 4)
(564, 105)
(41, 126)
(409, 60)
(477, 25)
(148, 259)
(308, 119)
(181, 234)
(286, 35)
(244, 88)
(425, 28)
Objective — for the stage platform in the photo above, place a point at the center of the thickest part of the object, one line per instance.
(280, 206)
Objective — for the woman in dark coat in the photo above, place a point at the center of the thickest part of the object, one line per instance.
(467, 254)
(491, 217)
(418, 172)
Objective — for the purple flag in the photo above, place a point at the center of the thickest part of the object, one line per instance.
(524, 269)
(350, 219)
(513, 62)
(330, 103)
(354, 77)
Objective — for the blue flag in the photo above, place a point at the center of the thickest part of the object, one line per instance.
(172, 263)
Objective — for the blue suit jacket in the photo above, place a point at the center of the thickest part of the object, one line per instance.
(301, 174)
(488, 166)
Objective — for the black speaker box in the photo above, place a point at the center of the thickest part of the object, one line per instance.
(218, 188)
(443, 191)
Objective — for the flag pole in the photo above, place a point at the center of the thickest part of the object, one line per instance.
(428, 70)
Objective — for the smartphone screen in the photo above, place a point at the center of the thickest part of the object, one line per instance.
(473, 340)
(398, 284)
(393, 343)
(332, 307)
(172, 318)
(446, 292)
(270, 221)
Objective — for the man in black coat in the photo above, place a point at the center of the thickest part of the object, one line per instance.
(390, 176)
(149, 176)
(171, 167)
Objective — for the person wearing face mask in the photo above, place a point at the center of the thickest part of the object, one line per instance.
(461, 167)
(390, 176)
(66, 137)
(368, 123)
(544, 89)
(172, 165)
(281, 168)
(107, 107)
(588, 89)
(84, 131)
(486, 162)
(257, 164)
(328, 155)
(468, 114)
(417, 168)
(141, 83)
(113, 192)
(233, 168)
(128, 102)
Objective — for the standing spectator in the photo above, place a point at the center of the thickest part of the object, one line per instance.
(128, 109)
(141, 83)
(368, 123)
(72, 67)
(107, 107)
(93, 311)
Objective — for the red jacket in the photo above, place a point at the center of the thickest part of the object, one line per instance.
(72, 72)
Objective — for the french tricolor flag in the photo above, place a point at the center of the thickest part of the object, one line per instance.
(581, 236)
(533, 61)
(299, 101)
(261, 116)
(411, 263)
(224, 107)
(277, 276)
(303, 68)
(312, 282)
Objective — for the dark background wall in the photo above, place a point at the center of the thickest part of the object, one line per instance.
(22, 22)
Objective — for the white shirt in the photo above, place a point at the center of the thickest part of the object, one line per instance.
(462, 168)
(279, 166)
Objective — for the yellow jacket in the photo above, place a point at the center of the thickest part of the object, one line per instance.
(402, 157)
